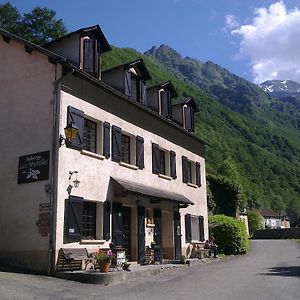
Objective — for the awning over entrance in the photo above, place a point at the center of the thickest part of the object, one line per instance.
(125, 186)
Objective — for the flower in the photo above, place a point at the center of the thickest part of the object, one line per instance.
(103, 255)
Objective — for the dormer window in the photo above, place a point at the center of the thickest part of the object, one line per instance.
(135, 87)
(188, 118)
(165, 104)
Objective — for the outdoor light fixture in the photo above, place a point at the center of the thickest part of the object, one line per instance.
(76, 181)
(71, 132)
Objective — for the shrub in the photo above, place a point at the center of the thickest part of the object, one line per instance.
(255, 221)
(230, 234)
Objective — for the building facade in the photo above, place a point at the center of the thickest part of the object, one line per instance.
(133, 175)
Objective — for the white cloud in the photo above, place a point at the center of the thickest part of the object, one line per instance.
(272, 41)
(230, 23)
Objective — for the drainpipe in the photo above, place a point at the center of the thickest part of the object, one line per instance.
(54, 168)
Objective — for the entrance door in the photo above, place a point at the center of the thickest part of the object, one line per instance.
(177, 235)
(117, 224)
(141, 233)
(127, 231)
(157, 228)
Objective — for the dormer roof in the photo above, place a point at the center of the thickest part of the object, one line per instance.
(188, 101)
(94, 32)
(139, 64)
(165, 85)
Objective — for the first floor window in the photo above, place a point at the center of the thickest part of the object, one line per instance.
(125, 148)
(162, 162)
(89, 220)
(189, 171)
(89, 135)
(195, 228)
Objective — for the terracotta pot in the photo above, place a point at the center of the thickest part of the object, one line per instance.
(104, 266)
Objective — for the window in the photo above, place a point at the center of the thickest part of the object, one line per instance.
(191, 172)
(90, 56)
(80, 222)
(89, 136)
(125, 148)
(135, 88)
(89, 221)
(194, 228)
(162, 162)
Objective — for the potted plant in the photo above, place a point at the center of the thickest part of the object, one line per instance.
(104, 260)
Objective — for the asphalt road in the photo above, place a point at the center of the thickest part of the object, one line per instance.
(270, 271)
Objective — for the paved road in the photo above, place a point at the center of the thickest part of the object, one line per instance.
(270, 271)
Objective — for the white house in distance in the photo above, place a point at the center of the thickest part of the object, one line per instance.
(133, 175)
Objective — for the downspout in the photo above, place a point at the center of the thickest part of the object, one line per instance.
(54, 168)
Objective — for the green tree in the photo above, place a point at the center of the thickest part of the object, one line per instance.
(254, 221)
(10, 18)
(38, 26)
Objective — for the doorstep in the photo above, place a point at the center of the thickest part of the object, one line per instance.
(114, 276)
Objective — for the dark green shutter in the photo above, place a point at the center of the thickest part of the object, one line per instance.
(90, 57)
(74, 215)
(140, 152)
(165, 104)
(173, 164)
(158, 227)
(106, 220)
(188, 228)
(127, 83)
(189, 118)
(184, 169)
(198, 174)
(116, 143)
(201, 228)
(155, 158)
(106, 139)
(76, 117)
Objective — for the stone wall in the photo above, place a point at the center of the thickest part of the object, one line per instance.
(286, 233)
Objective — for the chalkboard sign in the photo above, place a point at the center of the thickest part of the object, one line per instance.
(34, 167)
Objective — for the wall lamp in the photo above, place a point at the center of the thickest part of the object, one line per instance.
(76, 181)
(71, 132)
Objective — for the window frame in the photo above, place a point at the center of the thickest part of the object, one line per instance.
(90, 208)
(87, 146)
(124, 137)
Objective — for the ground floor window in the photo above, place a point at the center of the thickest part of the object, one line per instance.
(89, 220)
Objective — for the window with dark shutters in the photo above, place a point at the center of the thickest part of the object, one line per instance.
(90, 56)
(165, 104)
(106, 220)
(189, 118)
(162, 162)
(184, 169)
(127, 83)
(188, 228)
(201, 228)
(155, 158)
(140, 152)
(116, 143)
(198, 174)
(106, 139)
(76, 117)
(74, 213)
(173, 164)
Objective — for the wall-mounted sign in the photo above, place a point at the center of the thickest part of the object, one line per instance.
(34, 167)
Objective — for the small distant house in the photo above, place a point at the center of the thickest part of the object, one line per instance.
(272, 219)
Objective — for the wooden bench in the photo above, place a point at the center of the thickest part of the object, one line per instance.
(74, 259)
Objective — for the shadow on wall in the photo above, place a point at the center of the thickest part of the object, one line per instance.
(292, 271)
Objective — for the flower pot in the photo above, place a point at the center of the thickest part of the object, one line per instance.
(104, 266)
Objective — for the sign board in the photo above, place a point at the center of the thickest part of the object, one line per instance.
(121, 257)
(34, 167)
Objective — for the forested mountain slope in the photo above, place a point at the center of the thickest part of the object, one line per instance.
(256, 145)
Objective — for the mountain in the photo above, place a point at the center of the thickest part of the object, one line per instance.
(252, 141)
(281, 88)
(231, 90)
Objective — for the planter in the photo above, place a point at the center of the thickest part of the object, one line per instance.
(104, 266)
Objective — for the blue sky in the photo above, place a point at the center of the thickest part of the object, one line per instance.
(208, 30)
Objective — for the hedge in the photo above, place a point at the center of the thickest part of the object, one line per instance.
(229, 233)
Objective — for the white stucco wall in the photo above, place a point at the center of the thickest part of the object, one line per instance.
(26, 99)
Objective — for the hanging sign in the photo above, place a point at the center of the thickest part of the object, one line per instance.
(34, 167)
